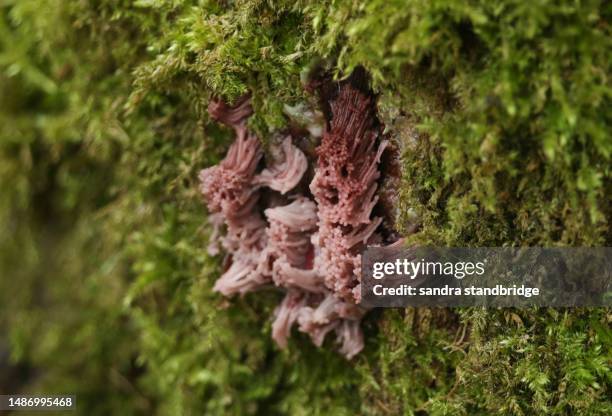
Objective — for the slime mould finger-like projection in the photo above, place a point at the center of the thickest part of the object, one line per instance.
(305, 240)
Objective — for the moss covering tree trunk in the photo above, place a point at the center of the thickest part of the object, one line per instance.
(501, 110)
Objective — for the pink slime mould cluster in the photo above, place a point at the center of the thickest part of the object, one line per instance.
(306, 244)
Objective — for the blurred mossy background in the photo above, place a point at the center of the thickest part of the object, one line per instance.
(503, 111)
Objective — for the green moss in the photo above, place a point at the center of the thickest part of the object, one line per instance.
(500, 109)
